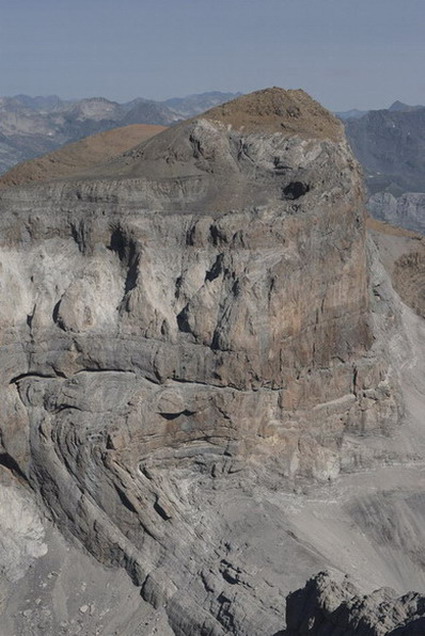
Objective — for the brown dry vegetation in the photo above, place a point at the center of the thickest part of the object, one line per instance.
(276, 110)
(390, 230)
(73, 159)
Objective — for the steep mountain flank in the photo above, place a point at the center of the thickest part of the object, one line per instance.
(196, 372)
(390, 145)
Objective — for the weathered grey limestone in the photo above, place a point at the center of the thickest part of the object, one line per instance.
(188, 325)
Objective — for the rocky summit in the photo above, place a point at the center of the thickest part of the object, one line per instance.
(203, 373)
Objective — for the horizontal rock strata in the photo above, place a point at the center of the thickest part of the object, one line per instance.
(189, 318)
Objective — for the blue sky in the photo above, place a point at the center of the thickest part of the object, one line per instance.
(357, 53)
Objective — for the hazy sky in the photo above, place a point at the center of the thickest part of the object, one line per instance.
(357, 53)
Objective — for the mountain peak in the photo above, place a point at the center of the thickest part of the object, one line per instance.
(278, 110)
(398, 105)
(401, 106)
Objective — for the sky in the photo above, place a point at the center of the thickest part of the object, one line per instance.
(347, 54)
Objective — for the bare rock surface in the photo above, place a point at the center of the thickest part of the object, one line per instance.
(326, 607)
(202, 366)
(67, 592)
(406, 211)
(22, 532)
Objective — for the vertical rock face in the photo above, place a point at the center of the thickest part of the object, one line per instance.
(183, 323)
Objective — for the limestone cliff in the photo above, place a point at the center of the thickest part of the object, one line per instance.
(185, 326)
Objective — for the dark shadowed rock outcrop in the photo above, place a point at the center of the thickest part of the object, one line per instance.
(325, 607)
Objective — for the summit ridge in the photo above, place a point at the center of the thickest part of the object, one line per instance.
(291, 112)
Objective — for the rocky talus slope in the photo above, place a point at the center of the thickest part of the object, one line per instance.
(197, 379)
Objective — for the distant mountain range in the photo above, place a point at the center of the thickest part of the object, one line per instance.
(390, 145)
(355, 113)
(32, 126)
(77, 157)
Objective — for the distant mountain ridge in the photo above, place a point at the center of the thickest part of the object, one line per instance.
(355, 113)
(390, 145)
(401, 106)
(32, 126)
